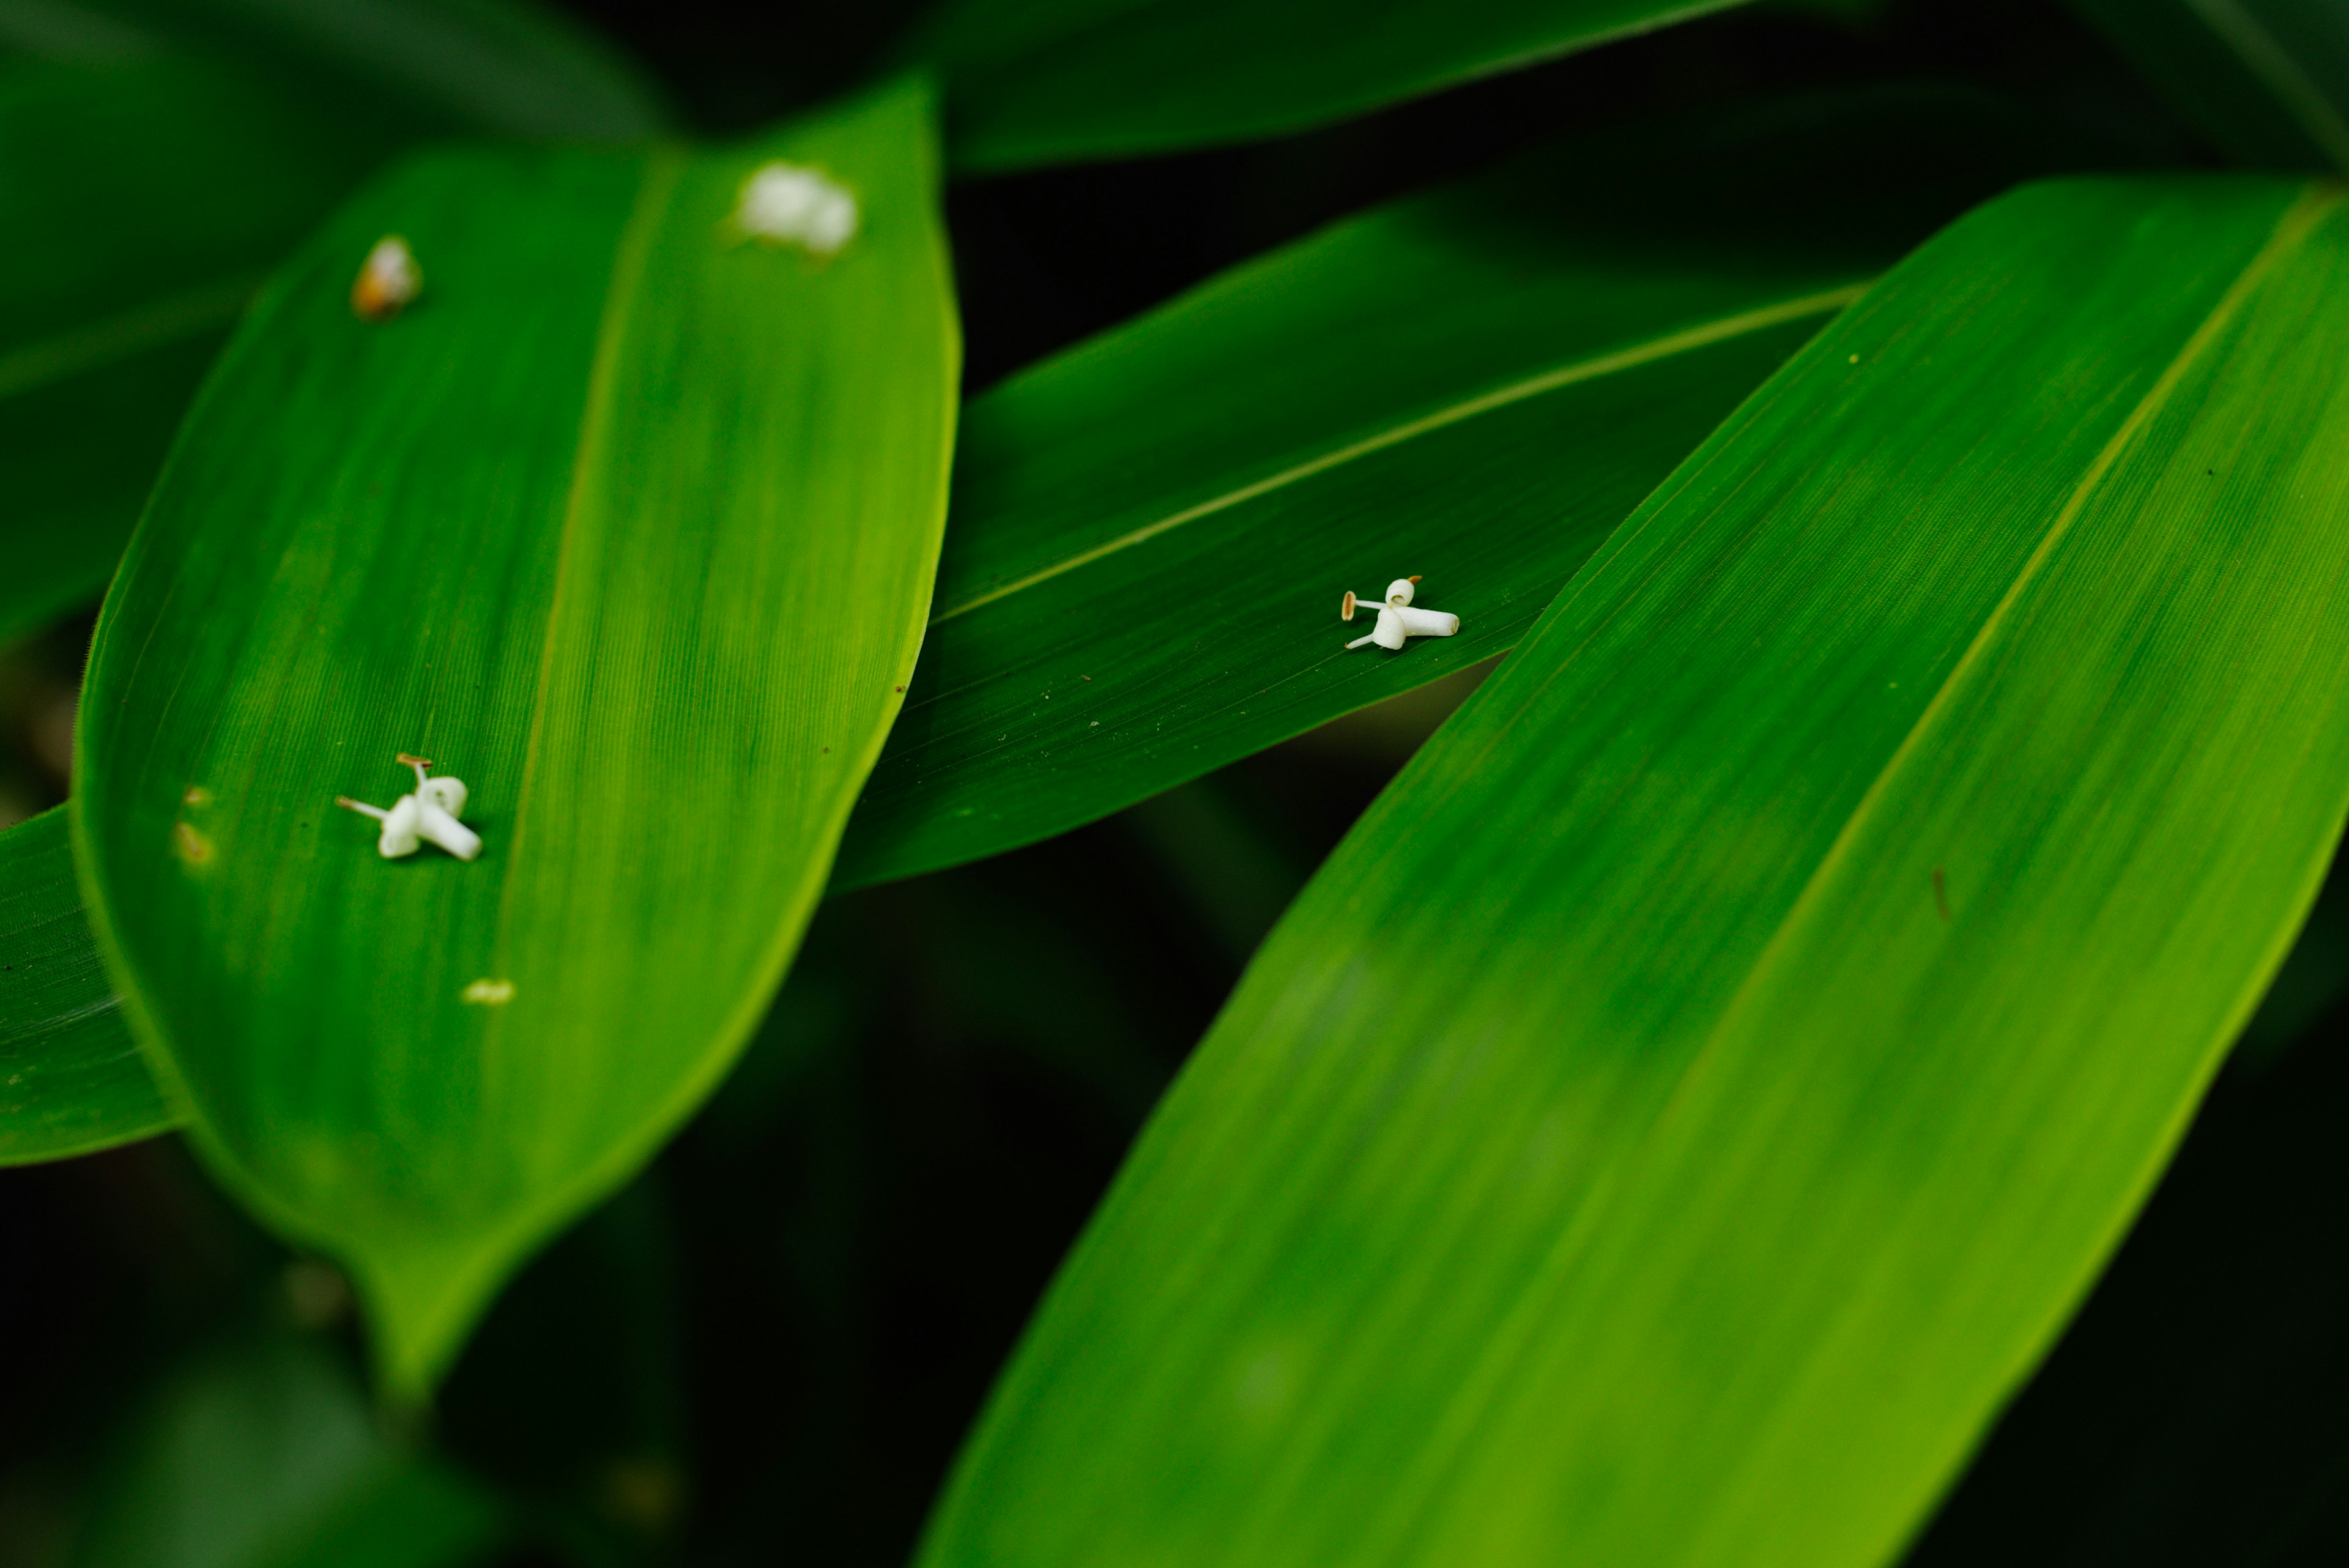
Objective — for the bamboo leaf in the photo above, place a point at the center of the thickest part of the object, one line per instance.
(631, 523)
(1151, 531)
(2266, 79)
(1050, 81)
(1699, 1089)
(70, 1077)
(155, 162)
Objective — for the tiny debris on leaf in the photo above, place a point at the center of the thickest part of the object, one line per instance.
(486, 992)
(389, 281)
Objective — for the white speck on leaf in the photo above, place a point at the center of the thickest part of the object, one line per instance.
(489, 992)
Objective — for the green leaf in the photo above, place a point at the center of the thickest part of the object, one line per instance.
(1052, 81)
(2266, 79)
(263, 1455)
(159, 164)
(1698, 1090)
(628, 521)
(1151, 531)
(512, 69)
(70, 1077)
(162, 191)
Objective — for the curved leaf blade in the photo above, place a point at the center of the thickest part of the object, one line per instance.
(630, 524)
(70, 1078)
(1151, 531)
(1050, 81)
(1699, 1089)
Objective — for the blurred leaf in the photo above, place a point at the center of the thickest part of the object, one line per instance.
(70, 1077)
(265, 1456)
(2266, 79)
(156, 161)
(162, 190)
(1698, 1090)
(399, 67)
(1052, 81)
(1151, 531)
(630, 523)
(569, 1399)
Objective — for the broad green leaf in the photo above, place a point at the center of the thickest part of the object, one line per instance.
(1151, 533)
(2266, 79)
(630, 523)
(1052, 81)
(2197, 1409)
(149, 177)
(70, 1076)
(1697, 1091)
(264, 1454)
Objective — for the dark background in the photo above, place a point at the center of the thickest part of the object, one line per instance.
(768, 1347)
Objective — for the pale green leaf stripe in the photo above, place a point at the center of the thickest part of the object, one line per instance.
(125, 335)
(1698, 1088)
(1702, 334)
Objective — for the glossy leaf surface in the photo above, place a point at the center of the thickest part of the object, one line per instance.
(156, 163)
(70, 1076)
(630, 524)
(2266, 79)
(1694, 1094)
(1047, 81)
(1151, 531)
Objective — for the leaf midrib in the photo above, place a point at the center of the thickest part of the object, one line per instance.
(125, 335)
(630, 254)
(1687, 339)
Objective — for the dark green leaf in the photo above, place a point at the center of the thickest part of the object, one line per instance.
(1151, 531)
(1047, 81)
(158, 164)
(265, 1456)
(630, 523)
(2267, 79)
(1698, 1090)
(70, 1077)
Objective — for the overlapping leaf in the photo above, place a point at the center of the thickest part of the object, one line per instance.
(1694, 1094)
(1045, 81)
(1151, 531)
(631, 523)
(70, 1076)
(155, 162)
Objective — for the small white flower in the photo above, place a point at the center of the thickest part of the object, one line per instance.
(1397, 621)
(389, 281)
(788, 204)
(430, 814)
